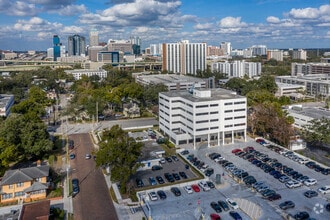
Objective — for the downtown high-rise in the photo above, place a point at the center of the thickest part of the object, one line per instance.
(76, 45)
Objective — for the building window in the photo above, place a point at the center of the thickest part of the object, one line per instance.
(239, 117)
(237, 103)
(228, 103)
(213, 120)
(204, 113)
(227, 111)
(241, 124)
(230, 118)
(7, 196)
(212, 113)
(240, 110)
(202, 106)
(204, 121)
(19, 194)
(11, 186)
(202, 129)
(228, 126)
(214, 105)
(19, 184)
(212, 128)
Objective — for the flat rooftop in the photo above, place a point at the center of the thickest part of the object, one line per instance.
(216, 94)
(169, 78)
(4, 99)
(312, 112)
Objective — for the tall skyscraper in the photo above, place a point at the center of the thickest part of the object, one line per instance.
(56, 47)
(93, 38)
(136, 45)
(184, 57)
(76, 45)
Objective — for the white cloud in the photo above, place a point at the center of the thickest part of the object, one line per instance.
(231, 22)
(272, 19)
(72, 10)
(205, 26)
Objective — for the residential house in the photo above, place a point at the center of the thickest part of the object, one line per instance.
(25, 184)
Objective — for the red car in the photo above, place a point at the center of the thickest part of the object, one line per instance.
(236, 151)
(195, 187)
(215, 216)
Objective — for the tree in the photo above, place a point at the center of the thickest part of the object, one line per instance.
(317, 131)
(120, 153)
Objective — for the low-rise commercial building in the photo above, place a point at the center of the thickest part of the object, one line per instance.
(78, 73)
(6, 101)
(210, 116)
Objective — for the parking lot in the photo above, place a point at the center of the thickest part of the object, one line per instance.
(187, 206)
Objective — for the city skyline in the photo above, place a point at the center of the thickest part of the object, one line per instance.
(30, 25)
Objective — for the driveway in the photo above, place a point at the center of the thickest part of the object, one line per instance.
(93, 201)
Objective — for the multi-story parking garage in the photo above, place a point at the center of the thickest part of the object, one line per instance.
(196, 116)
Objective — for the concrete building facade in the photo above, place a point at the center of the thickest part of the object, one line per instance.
(238, 68)
(78, 73)
(184, 57)
(6, 102)
(202, 116)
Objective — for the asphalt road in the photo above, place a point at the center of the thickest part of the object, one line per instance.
(93, 201)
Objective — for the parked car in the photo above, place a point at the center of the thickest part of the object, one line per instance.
(161, 194)
(160, 179)
(188, 189)
(139, 182)
(214, 216)
(216, 207)
(153, 196)
(310, 193)
(162, 161)
(75, 187)
(88, 156)
(223, 205)
(184, 152)
(310, 182)
(324, 189)
(152, 181)
(287, 205)
(232, 203)
(183, 175)
(176, 191)
(210, 184)
(209, 171)
(176, 176)
(156, 167)
(327, 207)
(275, 196)
(235, 215)
(236, 151)
(301, 215)
(72, 156)
(293, 184)
(204, 185)
(195, 187)
(169, 177)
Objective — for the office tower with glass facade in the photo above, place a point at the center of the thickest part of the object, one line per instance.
(76, 45)
(56, 47)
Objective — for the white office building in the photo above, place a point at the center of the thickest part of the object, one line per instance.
(6, 102)
(226, 47)
(78, 73)
(259, 50)
(202, 116)
(299, 54)
(184, 57)
(238, 68)
(275, 54)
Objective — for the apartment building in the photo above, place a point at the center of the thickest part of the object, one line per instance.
(298, 69)
(202, 116)
(299, 54)
(275, 54)
(238, 68)
(184, 57)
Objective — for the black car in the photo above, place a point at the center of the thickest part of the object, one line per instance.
(287, 205)
(139, 182)
(327, 207)
(169, 177)
(275, 196)
(75, 187)
(209, 171)
(235, 215)
(156, 167)
(175, 158)
(216, 207)
(176, 191)
(210, 184)
(161, 194)
(301, 215)
(185, 152)
(160, 179)
(168, 159)
(176, 176)
(183, 175)
(223, 205)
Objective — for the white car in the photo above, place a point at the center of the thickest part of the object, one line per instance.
(204, 167)
(310, 182)
(232, 203)
(218, 159)
(188, 189)
(293, 184)
(324, 189)
(153, 196)
(204, 186)
(303, 161)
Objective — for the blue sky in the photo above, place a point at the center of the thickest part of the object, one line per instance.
(31, 24)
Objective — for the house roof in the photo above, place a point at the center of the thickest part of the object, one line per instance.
(24, 174)
(37, 210)
(35, 187)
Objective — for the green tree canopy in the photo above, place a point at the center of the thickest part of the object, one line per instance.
(317, 131)
(120, 153)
